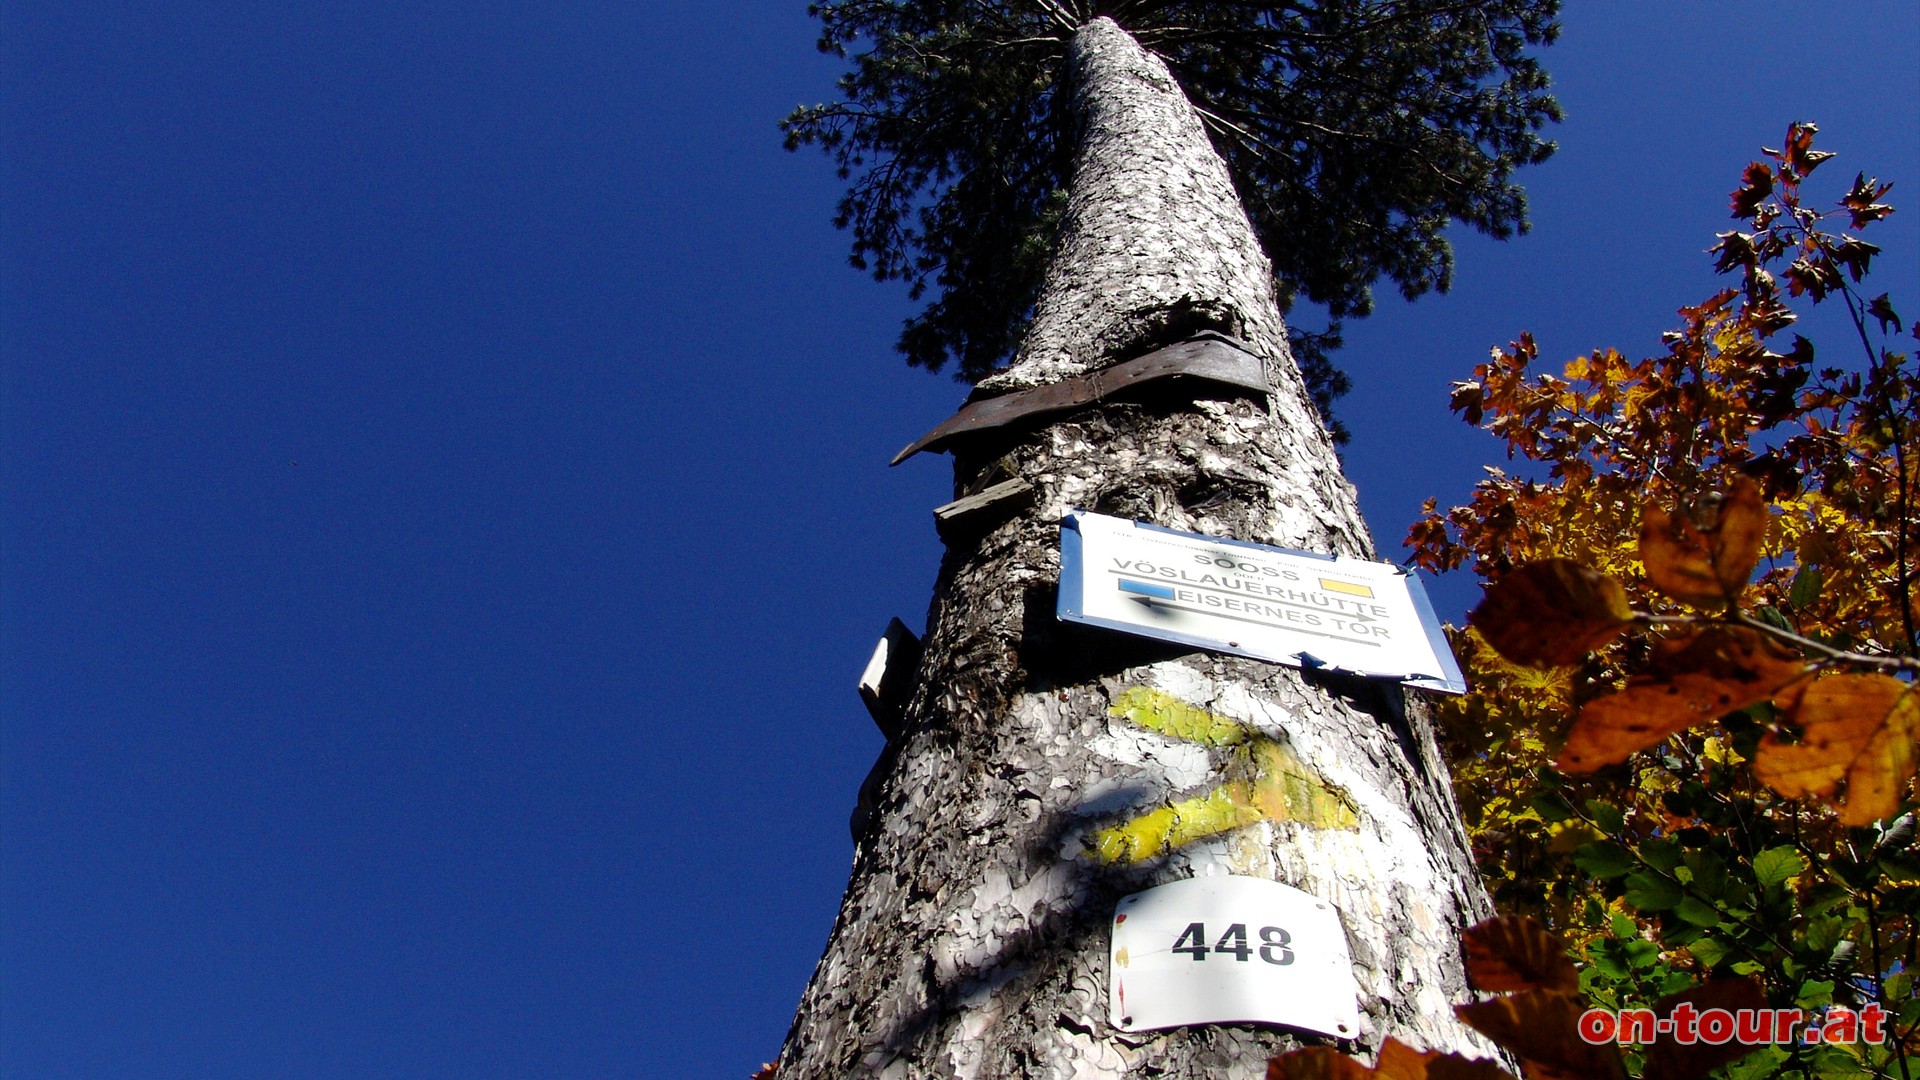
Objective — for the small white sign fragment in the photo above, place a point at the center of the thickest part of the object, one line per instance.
(1270, 603)
(1227, 950)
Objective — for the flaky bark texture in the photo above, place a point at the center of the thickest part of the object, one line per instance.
(972, 941)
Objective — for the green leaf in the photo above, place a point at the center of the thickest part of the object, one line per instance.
(1661, 854)
(1834, 1060)
(1551, 806)
(1824, 933)
(1899, 869)
(1642, 953)
(1612, 966)
(1806, 587)
(1604, 859)
(1814, 993)
(1674, 982)
(1606, 817)
(1825, 897)
(1710, 951)
(1708, 872)
(1679, 935)
(1698, 912)
(1776, 866)
(1764, 1062)
(1648, 891)
(1748, 967)
(1623, 927)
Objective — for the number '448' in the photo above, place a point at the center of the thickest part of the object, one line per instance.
(1273, 943)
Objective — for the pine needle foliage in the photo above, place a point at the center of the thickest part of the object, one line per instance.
(1356, 131)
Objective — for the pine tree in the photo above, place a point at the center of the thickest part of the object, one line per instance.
(1355, 132)
(972, 940)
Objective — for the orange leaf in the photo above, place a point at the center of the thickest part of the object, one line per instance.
(1860, 728)
(1671, 1059)
(1542, 1026)
(1551, 613)
(1707, 565)
(1694, 679)
(1514, 952)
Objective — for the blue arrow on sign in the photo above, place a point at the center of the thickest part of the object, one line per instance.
(1143, 588)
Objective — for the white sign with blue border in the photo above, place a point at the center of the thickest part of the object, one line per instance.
(1269, 603)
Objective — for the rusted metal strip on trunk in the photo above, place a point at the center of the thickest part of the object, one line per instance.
(1211, 357)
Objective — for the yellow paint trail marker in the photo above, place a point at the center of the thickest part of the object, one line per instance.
(1282, 788)
(1351, 588)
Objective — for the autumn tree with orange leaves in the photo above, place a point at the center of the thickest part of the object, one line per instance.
(1690, 748)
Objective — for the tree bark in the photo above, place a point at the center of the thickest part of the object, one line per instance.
(972, 941)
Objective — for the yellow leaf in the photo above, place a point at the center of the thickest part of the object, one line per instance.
(1564, 837)
(1719, 751)
(1857, 728)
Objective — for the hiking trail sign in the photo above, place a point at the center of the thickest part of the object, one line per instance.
(1269, 603)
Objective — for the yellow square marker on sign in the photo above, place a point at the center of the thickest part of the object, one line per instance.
(1348, 587)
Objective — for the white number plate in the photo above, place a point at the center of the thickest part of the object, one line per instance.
(1224, 950)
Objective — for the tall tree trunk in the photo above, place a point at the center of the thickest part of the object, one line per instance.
(972, 941)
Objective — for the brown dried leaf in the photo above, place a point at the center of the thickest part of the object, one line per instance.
(1397, 1061)
(1705, 565)
(1671, 1059)
(1542, 1026)
(1551, 613)
(1693, 679)
(1755, 185)
(1515, 952)
(1860, 728)
(1863, 202)
(1882, 309)
(1455, 1067)
(1316, 1063)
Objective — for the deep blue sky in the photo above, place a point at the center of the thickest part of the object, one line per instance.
(444, 503)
